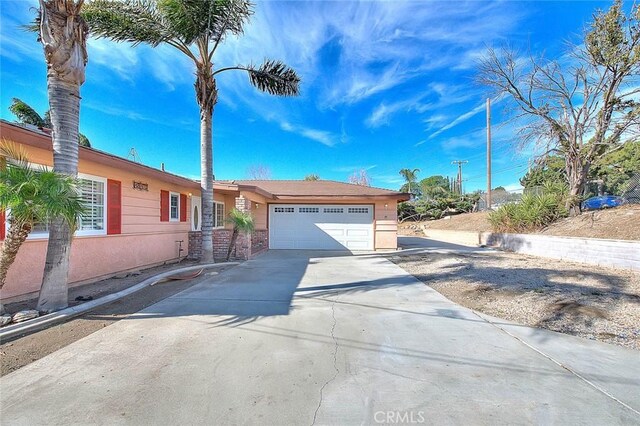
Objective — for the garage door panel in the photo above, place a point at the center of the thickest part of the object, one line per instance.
(357, 233)
(321, 227)
(357, 245)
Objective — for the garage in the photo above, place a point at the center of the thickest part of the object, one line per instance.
(321, 226)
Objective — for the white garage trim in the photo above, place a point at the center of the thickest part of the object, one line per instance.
(321, 226)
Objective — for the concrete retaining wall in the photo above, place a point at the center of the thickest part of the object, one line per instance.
(465, 238)
(594, 251)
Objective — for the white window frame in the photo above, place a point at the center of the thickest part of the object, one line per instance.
(177, 218)
(215, 215)
(79, 233)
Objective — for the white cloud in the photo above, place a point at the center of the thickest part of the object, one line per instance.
(350, 169)
(324, 137)
(129, 114)
(394, 181)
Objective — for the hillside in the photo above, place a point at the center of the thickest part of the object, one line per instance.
(622, 223)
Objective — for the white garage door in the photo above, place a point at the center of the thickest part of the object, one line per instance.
(321, 227)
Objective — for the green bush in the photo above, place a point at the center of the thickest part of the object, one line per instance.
(437, 207)
(533, 212)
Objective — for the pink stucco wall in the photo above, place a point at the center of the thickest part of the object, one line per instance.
(92, 258)
(144, 240)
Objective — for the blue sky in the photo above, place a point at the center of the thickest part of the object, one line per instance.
(385, 85)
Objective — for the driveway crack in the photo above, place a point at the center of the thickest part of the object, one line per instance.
(335, 361)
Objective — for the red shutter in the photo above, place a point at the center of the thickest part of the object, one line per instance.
(2, 224)
(183, 208)
(114, 207)
(164, 206)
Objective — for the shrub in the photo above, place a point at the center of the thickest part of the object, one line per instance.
(533, 212)
(436, 207)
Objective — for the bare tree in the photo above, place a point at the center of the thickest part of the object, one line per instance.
(258, 172)
(360, 178)
(583, 106)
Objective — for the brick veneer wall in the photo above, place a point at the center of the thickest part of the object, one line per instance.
(194, 249)
(259, 241)
(245, 247)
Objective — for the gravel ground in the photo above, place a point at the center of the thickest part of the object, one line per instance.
(591, 302)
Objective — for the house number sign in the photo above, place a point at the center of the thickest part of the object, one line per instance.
(140, 186)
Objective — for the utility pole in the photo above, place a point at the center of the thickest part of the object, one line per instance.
(488, 153)
(459, 163)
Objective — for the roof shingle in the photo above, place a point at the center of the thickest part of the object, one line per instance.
(317, 188)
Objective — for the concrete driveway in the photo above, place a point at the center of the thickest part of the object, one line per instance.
(301, 338)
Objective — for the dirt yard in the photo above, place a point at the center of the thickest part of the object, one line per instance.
(102, 288)
(622, 223)
(586, 301)
(20, 351)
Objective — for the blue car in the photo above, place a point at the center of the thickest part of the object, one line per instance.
(602, 202)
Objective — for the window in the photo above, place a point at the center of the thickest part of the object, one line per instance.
(93, 221)
(358, 210)
(284, 210)
(218, 215)
(334, 210)
(174, 206)
(309, 210)
(92, 193)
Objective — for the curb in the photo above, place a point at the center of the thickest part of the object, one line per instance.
(68, 313)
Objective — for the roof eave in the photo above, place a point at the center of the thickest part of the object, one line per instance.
(397, 197)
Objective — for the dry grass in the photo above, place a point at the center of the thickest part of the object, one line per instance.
(594, 303)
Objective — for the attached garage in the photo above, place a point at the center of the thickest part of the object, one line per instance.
(313, 215)
(321, 226)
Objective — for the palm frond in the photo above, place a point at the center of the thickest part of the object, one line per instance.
(275, 78)
(83, 140)
(134, 21)
(35, 195)
(212, 19)
(242, 221)
(11, 151)
(25, 114)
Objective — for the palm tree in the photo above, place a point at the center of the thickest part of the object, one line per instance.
(196, 28)
(312, 177)
(32, 196)
(410, 176)
(27, 115)
(242, 222)
(63, 34)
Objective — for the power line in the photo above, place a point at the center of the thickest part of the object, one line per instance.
(507, 169)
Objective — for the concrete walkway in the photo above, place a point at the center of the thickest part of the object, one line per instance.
(301, 338)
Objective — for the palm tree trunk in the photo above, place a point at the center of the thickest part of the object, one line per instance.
(206, 186)
(65, 105)
(232, 243)
(16, 235)
(207, 96)
(63, 33)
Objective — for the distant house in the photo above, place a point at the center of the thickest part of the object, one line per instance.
(140, 216)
